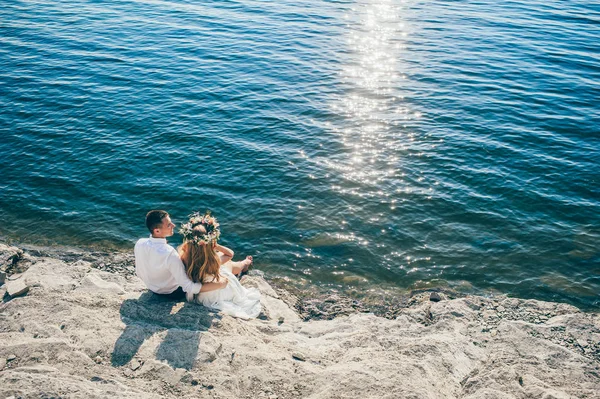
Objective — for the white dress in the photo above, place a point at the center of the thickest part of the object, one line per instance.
(234, 300)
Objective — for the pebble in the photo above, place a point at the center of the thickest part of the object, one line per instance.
(299, 356)
(435, 297)
(500, 308)
(98, 359)
(2, 278)
(10, 358)
(128, 373)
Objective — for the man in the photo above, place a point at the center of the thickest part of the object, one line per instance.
(158, 264)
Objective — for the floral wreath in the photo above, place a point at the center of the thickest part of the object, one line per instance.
(210, 224)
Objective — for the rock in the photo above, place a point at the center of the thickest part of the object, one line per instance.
(10, 358)
(435, 297)
(2, 278)
(182, 354)
(2, 364)
(209, 349)
(500, 309)
(276, 308)
(98, 359)
(135, 365)
(94, 283)
(16, 288)
(260, 284)
(188, 378)
(299, 356)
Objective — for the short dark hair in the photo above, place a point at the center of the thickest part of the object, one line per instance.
(154, 219)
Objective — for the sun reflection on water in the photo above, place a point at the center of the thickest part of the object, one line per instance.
(372, 107)
(368, 165)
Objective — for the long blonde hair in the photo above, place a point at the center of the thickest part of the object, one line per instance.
(200, 260)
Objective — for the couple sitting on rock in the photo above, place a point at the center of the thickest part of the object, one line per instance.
(201, 270)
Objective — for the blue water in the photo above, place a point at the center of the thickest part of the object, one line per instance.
(349, 145)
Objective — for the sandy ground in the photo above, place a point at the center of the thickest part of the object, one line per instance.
(80, 332)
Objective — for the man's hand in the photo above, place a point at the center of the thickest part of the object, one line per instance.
(223, 283)
(206, 287)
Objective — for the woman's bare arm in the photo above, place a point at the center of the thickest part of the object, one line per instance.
(227, 253)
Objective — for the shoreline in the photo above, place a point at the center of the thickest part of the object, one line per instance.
(87, 327)
(311, 303)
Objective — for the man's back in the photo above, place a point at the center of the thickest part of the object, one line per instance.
(158, 265)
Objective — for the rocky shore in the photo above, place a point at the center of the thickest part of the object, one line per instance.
(80, 324)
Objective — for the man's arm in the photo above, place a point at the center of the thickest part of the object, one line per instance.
(207, 287)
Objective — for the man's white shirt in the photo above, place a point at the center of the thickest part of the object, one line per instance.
(160, 268)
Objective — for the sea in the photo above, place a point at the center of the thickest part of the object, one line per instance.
(349, 146)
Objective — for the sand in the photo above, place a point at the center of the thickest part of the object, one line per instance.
(81, 332)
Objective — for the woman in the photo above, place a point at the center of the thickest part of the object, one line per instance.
(206, 261)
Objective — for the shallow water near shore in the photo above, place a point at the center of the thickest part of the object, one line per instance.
(355, 146)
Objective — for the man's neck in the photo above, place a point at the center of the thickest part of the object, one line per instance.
(153, 236)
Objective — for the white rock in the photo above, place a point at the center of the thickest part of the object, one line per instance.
(260, 284)
(276, 309)
(16, 288)
(135, 365)
(93, 283)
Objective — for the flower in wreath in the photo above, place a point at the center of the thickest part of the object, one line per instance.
(210, 224)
